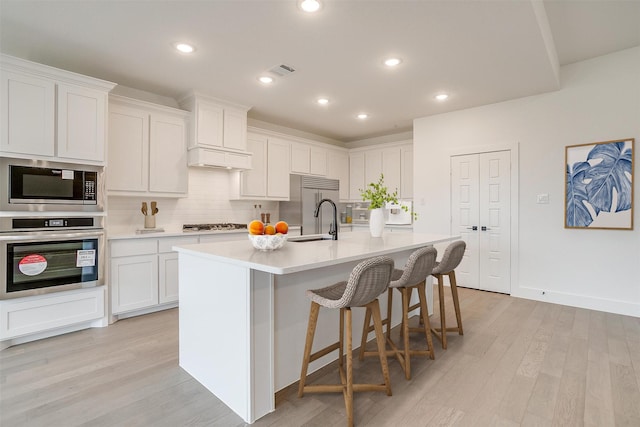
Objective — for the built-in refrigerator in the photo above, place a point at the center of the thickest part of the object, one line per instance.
(306, 193)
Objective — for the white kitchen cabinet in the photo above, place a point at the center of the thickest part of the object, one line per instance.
(134, 283)
(22, 317)
(253, 182)
(217, 127)
(308, 160)
(300, 158)
(356, 175)
(269, 177)
(406, 178)
(28, 115)
(144, 274)
(278, 169)
(338, 168)
(394, 161)
(372, 166)
(147, 149)
(392, 168)
(81, 123)
(168, 267)
(51, 114)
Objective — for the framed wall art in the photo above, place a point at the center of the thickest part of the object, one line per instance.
(599, 185)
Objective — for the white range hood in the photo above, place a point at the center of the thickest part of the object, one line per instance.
(208, 157)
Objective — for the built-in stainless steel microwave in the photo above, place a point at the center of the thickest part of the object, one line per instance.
(46, 186)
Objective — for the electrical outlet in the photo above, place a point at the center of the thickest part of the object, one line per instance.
(543, 198)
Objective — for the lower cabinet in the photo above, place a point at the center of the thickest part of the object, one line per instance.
(41, 313)
(144, 273)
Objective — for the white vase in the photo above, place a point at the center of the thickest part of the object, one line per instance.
(376, 222)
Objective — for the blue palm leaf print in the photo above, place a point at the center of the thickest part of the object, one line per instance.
(610, 173)
(577, 213)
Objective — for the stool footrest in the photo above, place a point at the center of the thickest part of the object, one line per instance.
(328, 349)
(452, 329)
(333, 388)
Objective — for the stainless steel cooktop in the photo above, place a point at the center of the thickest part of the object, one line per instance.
(213, 227)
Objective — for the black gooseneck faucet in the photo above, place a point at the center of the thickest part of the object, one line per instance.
(333, 228)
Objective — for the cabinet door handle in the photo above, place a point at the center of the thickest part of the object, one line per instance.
(483, 228)
(474, 228)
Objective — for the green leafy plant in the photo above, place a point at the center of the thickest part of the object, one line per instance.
(377, 194)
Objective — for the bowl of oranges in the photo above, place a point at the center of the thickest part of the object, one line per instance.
(267, 237)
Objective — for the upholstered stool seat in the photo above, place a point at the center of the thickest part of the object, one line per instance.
(367, 281)
(446, 267)
(418, 267)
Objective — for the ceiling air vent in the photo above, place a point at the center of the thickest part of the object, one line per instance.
(282, 70)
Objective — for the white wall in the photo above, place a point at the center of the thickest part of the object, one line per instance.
(599, 101)
(208, 202)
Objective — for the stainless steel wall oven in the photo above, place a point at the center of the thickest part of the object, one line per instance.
(46, 254)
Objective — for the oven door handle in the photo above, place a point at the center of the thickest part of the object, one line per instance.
(48, 235)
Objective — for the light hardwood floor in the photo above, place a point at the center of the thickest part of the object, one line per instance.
(520, 362)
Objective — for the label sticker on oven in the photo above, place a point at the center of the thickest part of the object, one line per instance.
(86, 258)
(32, 265)
(67, 174)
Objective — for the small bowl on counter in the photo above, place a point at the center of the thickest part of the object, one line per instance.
(268, 242)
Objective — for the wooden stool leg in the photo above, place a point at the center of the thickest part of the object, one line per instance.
(389, 305)
(405, 331)
(456, 301)
(442, 332)
(341, 339)
(424, 316)
(365, 333)
(311, 330)
(377, 323)
(348, 397)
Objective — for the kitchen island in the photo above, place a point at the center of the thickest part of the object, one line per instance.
(243, 312)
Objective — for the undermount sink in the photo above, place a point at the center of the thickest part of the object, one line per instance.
(310, 238)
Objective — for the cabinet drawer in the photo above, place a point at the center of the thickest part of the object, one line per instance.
(131, 247)
(37, 314)
(165, 245)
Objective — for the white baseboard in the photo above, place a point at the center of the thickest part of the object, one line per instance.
(575, 300)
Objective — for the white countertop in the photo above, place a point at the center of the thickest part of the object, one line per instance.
(301, 256)
(131, 234)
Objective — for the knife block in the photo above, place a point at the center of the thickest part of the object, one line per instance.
(149, 221)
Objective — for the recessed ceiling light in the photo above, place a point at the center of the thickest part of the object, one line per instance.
(322, 101)
(184, 48)
(392, 62)
(310, 5)
(363, 116)
(442, 97)
(265, 79)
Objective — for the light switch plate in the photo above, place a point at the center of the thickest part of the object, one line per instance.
(543, 198)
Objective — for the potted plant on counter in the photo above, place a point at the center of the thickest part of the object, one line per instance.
(377, 194)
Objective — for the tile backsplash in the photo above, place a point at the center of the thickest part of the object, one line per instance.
(207, 202)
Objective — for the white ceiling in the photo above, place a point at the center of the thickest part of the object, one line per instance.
(480, 52)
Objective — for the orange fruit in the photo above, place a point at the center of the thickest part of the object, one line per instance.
(282, 227)
(269, 229)
(256, 227)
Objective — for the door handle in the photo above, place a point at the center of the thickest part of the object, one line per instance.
(474, 228)
(483, 228)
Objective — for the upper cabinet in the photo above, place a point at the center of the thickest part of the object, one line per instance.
(308, 159)
(51, 114)
(218, 132)
(395, 162)
(338, 168)
(147, 149)
(269, 177)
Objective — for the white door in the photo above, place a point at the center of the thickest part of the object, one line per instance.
(481, 207)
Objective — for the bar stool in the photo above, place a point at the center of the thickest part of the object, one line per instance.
(418, 267)
(450, 260)
(367, 281)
